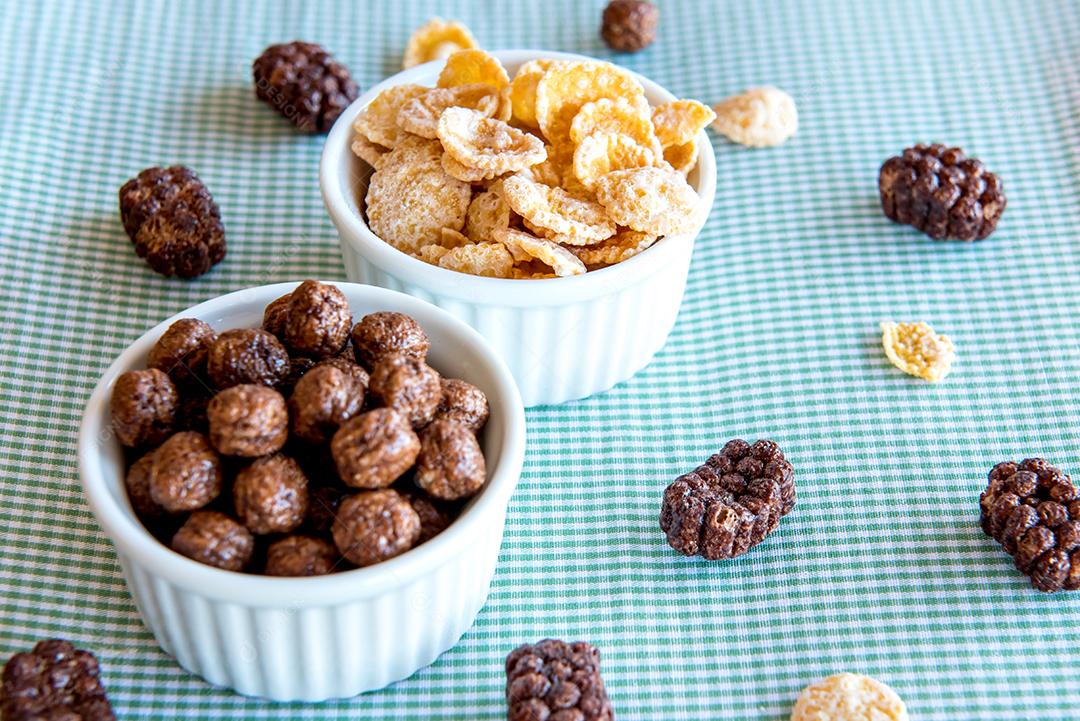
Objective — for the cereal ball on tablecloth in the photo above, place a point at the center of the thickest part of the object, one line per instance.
(385, 333)
(185, 473)
(629, 25)
(143, 407)
(323, 399)
(317, 320)
(214, 539)
(374, 526)
(556, 681)
(463, 402)
(300, 556)
(181, 350)
(247, 355)
(304, 83)
(408, 385)
(450, 465)
(271, 495)
(373, 450)
(54, 682)
(248, 420)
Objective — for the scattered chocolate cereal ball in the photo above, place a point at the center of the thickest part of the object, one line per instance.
(304, 83)
(271, 495)
(629, 25)
(434, 519)
(849, 697)
(323, 399)
(375, 525)
(54, 682)
(137, 483)
(247, 355)
(181, 350)
(274, 316)
(727, 506)
(408, 385)
(372, 450)
(248, 420)
(323, 505)
(186, 473)
(143, 407)
(173, 221)
(300, 556)
(463, 402)
(450, 465)
(214, 539)
(556, 681)
(378, 335)
(317, 320)
(1033, 510)
(941, 192)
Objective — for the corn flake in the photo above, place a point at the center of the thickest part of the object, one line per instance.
(578, 220)
(371, 153)
(378, 121)
(524, 247)
(682, 157)
(420, 116)
(619, 115)
(680, 121)
(523, 90)
(851, 697)
(431, 253)
(488, 212)
(917, 350)
(467, 67)
(464, 173)
(759, 118)
(435, 40)
(566, 87)
(657, 201)
(486, 144)
(492, 260)
(600, 153)
(623, 245)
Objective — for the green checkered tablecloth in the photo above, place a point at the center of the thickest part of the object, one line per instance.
(880, 569)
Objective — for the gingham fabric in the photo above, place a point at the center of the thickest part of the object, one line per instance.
(880, 569)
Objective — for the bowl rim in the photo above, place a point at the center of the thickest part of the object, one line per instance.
(133, 541)
(354, 232)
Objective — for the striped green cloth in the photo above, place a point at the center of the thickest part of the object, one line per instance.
(880, 569)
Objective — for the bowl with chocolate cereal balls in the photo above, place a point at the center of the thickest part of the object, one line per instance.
(306, 484)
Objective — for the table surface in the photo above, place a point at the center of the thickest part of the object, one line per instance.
(880, 569)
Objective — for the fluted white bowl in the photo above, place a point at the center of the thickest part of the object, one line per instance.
(329, 636)
(563, 338)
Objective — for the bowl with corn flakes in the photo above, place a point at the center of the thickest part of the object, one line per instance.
(549, 200)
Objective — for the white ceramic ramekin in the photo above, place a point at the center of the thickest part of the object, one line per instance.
(563, 338)
(332, 636)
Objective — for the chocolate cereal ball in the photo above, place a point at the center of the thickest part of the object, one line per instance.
(434, 519)
(408, 385)
(375, 525)
(317, 320)
(463, 402)
(137, 483)
(54, 682)
(374, 449)
(247, 355)
(181, 350)
(347, 365)
(385, 333)
(214, 539)
(450, 465)
(248, 420)
(185, 474)
(300, 556)
(274, 316)
(271, 495)
(143, 407)
(323, 399)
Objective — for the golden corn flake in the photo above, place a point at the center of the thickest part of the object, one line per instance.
(600, 153)
(680, 121)
(435, 40)
(467, 67)
(566, 87)
(682, 157)
(523, 246)
(464, 173)
(450, 238)
(378, 121)
(492, 260)
(623, 245)
(917, 350)
(420, 116)
(487, 213)
(371, 153)
(486, 144)
(760, 117)
(580, 221)
(650, 200)
(410, 199)
(523, 90)
(850, 697)
(431, 253)
(615, 116)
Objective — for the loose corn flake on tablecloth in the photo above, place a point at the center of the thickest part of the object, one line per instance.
(880, 569)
